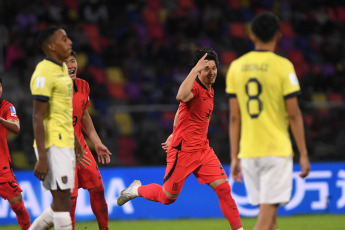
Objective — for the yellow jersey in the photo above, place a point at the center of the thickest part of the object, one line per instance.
(261, 81)
(51, 83)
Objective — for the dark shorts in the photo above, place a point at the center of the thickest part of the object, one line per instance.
(204, 164)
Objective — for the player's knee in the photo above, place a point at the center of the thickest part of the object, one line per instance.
(166, 200)
(223, 189)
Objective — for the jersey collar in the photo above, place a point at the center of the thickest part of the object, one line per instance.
(262, 50)
(202, 85)
(55, 62)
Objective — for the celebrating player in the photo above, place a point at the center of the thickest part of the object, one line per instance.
(263, 89)
(188, 149)
(55, 144)
(9, 188)
(89, 177)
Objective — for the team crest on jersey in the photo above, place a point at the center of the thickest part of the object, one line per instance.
(64, 179)
(13, 111)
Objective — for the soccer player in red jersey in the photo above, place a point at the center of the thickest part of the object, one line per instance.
(188, 149)
(9, 188)
(87, 177)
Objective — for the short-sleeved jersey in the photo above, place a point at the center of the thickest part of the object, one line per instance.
(51, 83)
(7, 112)
(80, 103)
(190, 133)
(261, 81)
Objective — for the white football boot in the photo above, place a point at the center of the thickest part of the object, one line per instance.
(129, 193)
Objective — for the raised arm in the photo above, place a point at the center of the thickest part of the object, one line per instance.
(88, 127)
(185, 91)
(297, 128)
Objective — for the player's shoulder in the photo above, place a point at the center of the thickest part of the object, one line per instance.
(81, 84)
(43, 64)
(281, 59)
(5, 103)
(43, 68)
(241, 59)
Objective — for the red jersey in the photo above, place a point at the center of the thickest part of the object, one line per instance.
(81, 102)
(190, 133)
(7, 111)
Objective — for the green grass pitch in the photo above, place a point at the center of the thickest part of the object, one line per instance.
(302, 222)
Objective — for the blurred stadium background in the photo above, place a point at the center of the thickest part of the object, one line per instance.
(135, 53)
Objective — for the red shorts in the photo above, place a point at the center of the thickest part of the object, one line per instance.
(204, 164)
(88, 177)
(10, 188)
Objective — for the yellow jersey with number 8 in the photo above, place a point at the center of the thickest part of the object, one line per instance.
(51, 83)
(262, 81)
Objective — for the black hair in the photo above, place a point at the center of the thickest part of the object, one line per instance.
(45, 34)
(265, 26)
(0, 80)
(211, 55)
(73, 53)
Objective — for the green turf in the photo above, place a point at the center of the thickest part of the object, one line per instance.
(303, 222)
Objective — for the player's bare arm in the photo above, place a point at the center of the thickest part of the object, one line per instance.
(11, 125)
(296, 124)
(234, 136)
(41, 166)
(102, 151)
(81, 158)
(185, 91)
(166, 144)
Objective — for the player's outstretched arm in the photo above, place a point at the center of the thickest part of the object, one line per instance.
(297, 129)
(234, 137)
(185, 91)
(88, 127)
(11, 125)
(41, 166)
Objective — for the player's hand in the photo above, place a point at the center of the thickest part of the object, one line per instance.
(236, 170)
(41, 169)
(166, 144)
(103, 153)
(305, 166)
(202, 64)
(83, 161)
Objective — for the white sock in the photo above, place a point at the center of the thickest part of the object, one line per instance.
(240, 229)
(44, 221)
(62, 221)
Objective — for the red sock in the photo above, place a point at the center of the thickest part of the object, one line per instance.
(22, 214)
(154, 192)
(228, 205)
(72, 210)
(99, 207)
